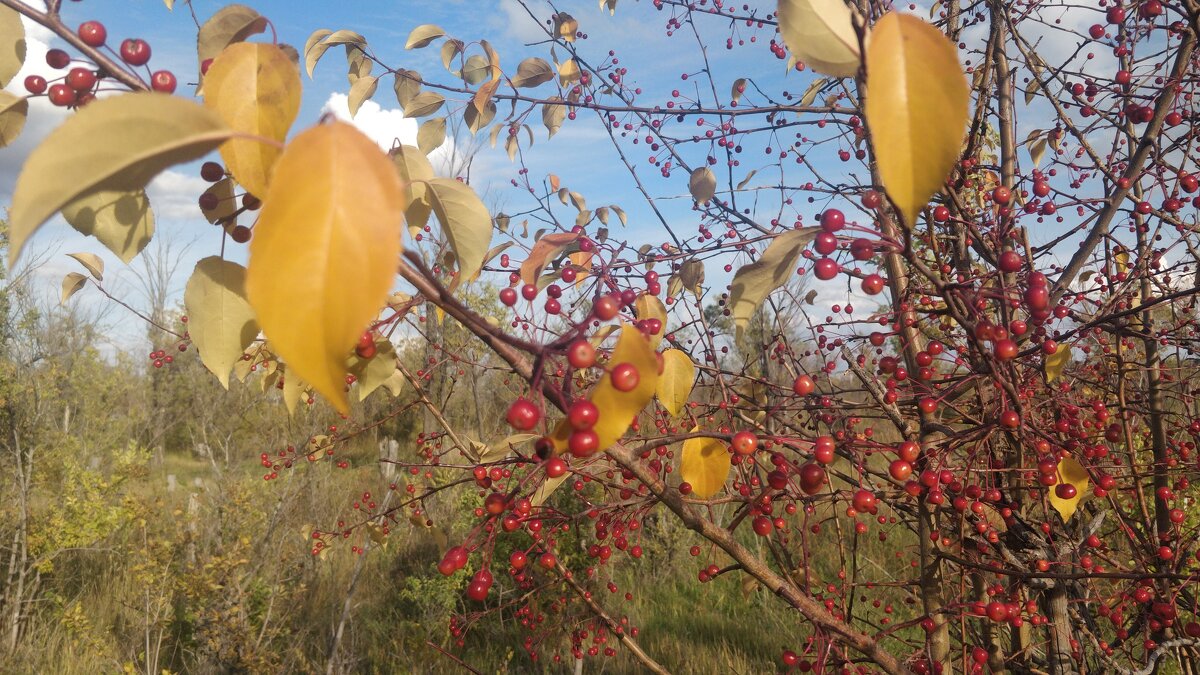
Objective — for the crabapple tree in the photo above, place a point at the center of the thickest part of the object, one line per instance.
(932, 291)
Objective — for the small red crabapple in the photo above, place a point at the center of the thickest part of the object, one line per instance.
(523, 415)
(57, 59)
(135, 51)
(163, 81)
(803, 385)
(625, 377)
(581, 354)
(92, 33)
(744, 443)
(35, 84)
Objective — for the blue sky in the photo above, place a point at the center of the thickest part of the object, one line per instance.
(581, 154)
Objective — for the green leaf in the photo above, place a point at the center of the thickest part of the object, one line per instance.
(754, 282)
(122, 221)
(13, 112)
(117, 144)
(423, 35)
(12, 44)
(220, 320)
(464, 219)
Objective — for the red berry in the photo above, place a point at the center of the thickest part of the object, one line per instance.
(744, 443)
(581, 354)
(529, 291)
(583, 415)
(35, 84)
(625, 377)
(212, 172)
(826, 269)
(606, 307)
(812, 477)
(872, 199)
(823, 449)
(366, 346)
(57, 59)
(1005, 350)
(1001, 195)
(762, 526)
(81, 79)
(555, 467)
(240, 234)
(833, 220)
(583, 443)
(940, 213)
(508, 296)
(873, 284)
(163, 81)
(523, 415)
(1010, 261)
(92, 33)
(804, 385)
(61, 95)
(900, 469)
(135, 51)
(1065, 491)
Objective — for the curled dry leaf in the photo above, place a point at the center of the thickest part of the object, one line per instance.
(533, 72)
(91, 262)
(916, 109)
(324, 252)
(821, 34)
(70, 285)
(545, 248)
(423, 36)
(320, 42)
(702, 184)
(230, 24)
(754, 282)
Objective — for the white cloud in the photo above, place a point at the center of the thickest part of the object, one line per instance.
(43, 117)
(175, 196)
(387, 126)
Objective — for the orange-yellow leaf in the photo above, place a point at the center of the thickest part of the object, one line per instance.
(619, 408)
(1069, 471)
(545, 248)
(324, 251)
(704, 464)
(916, 108)
(255, 88)
(675, 384)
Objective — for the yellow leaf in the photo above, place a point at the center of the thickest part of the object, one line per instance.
(553, 114)
(255, 88)
(324, 251)
(424, 103)
(821, 34)
(566, 26)
(1121, 258)
(648, 306)
(220, 320)
(407, 86)
(226, 203)
(70, 284)
(122, 221)
(702, 184)
(422, 35)
(1069, 471)
(91, 262)
(813, 90)
(619, 408)
(675, 384)
(916, 108)
(465, 222)
(12, 44)
(736, 89)
(754, 282)
(13, 111)
(118, 143)
(293, 390)
(704, 464)
(1056, 362)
